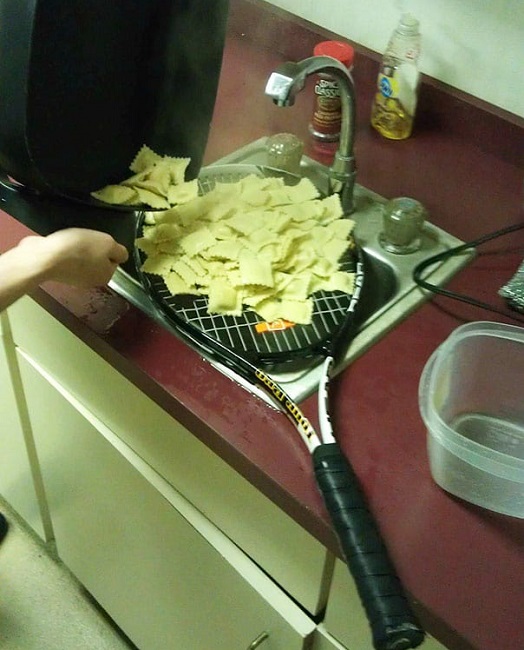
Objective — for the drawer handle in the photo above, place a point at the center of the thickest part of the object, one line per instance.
(258, 641)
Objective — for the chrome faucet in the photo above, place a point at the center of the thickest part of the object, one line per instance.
(288, 80)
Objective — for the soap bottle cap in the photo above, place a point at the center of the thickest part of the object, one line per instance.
(339, 50)
(408, 25)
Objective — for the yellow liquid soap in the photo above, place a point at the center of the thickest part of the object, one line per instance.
(390, 118)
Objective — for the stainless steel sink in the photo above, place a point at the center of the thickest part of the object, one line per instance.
(394, 296)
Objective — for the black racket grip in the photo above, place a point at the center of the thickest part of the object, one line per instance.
(392, 621)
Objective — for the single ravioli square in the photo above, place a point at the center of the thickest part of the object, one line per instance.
(255, 269)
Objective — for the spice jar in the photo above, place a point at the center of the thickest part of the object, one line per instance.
(327, 113)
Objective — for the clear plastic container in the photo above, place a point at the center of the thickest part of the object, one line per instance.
(472, 401)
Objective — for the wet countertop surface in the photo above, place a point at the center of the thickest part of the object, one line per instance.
(463, 565)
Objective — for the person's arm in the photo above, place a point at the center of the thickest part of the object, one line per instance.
(75, 256)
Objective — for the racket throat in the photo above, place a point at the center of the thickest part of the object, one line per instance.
(326, 428)
(284, 403)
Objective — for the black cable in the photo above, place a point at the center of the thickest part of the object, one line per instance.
(451, 252)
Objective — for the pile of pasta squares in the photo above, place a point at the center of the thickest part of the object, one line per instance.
(157, 181)
(253, 244)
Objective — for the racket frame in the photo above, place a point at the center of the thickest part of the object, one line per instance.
(390, 616)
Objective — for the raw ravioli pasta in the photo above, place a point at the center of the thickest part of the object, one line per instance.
(157, 182)
(252, 244)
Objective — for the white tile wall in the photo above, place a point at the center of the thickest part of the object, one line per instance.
(474, 45)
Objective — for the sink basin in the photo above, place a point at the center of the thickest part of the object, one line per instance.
(391, 293)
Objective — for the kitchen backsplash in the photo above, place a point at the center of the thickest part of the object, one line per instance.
(441, 106)
(477, 47)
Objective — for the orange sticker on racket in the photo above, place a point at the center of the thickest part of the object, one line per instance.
(274, 326)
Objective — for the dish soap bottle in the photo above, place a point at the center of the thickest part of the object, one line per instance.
(395, 101)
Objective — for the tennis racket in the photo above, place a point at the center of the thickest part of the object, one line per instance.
(231, 342)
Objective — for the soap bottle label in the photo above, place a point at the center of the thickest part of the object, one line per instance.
(395, 101)
(387, 86)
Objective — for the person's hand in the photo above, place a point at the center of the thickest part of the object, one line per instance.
(75, 256)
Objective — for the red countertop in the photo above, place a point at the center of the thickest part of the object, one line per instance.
(464, 566)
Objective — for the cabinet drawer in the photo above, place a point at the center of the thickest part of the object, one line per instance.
(161, 569)
(287, 552)
(345, 618)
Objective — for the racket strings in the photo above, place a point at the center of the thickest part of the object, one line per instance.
(329, 312)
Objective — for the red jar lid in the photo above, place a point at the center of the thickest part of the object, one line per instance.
(340, 51)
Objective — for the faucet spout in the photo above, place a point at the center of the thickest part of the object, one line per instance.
(289, 79)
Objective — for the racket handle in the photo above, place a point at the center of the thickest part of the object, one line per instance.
(393, 624)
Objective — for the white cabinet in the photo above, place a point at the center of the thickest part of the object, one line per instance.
(290, 555)
(19, 479)
(177, 561)
(163, 571)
